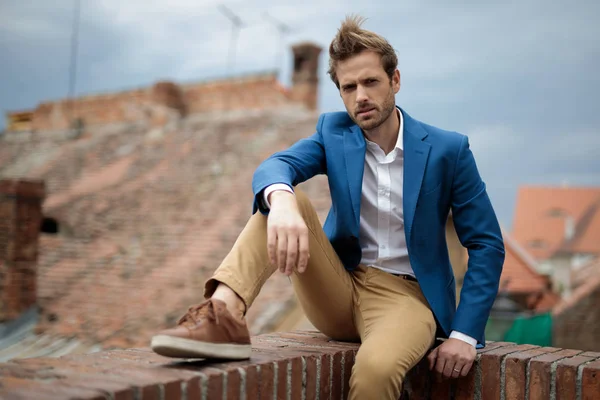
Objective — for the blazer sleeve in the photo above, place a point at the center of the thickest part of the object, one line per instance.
(303, 160)
(479, 231)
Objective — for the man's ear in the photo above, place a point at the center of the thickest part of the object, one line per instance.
(396, 81)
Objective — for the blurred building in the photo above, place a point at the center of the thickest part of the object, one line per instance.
(145, 192)
(552, 268)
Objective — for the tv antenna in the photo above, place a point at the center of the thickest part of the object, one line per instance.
(283, 29)
(236, 26)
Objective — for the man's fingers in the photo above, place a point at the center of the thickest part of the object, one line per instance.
(449, 368)
(282, 242)
(432, 358)
(466, 368)
(456, 370)
(303, 251)
(440, 364)
(292, 253)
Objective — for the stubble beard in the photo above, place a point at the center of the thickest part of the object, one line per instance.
(382, 113)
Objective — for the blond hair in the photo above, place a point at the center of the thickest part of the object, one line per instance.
(351, 40)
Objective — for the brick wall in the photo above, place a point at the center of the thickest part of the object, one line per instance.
(251, 93)
(576, 320)
(154, 103)
(166, 100)
(20, 219)
(305, 76)
(298, 365)
(163, 101)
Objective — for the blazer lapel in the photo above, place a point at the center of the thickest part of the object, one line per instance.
(416, 153)
(354, 155)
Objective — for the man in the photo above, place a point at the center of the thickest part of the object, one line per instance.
(378, 271)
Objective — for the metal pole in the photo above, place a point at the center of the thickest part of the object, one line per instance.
(73, 64)
(236, 25)
(283, 29)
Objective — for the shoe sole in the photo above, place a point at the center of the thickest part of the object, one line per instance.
(176, 347)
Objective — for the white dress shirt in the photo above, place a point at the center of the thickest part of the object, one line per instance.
(382, 238)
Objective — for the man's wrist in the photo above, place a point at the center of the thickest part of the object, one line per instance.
(465, 338)
(273, 188)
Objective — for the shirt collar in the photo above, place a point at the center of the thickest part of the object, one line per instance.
(400, 141)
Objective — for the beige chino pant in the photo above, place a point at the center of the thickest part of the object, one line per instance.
(388, 314)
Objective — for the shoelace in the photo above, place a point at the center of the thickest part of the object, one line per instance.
(204, 309)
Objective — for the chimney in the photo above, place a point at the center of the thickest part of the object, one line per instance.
(305, 77)
(20, 219)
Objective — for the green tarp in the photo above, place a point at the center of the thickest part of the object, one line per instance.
(535, 330)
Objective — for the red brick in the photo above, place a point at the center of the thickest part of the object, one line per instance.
(515, 371)
(465, 386)
(540, 373)
(590, 381)
(593, 354)
(325, 377)
(566, 377)
(267, 380)
(490, 364)
(119, 389)
(440, 387)
(24, 188)
(120, 370)
(16, 388)
(282, 379)
(215, 386)
(338, 375)
(349, 357)
(312, 378)
(252, 382)
(193, 388)
(234, 383)
(493, 345)
(297, 378)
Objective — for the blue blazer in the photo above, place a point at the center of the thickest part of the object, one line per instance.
(440, 175)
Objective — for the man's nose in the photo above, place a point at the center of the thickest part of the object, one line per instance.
(361, 94)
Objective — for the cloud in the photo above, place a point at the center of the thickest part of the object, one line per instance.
(520, 78)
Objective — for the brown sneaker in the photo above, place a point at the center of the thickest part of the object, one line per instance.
(207, 330)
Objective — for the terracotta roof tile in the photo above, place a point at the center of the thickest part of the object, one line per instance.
(137, 242)
(519, 274)
(538, 232)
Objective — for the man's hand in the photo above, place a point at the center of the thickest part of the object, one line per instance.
(453, 358)
(287, 234)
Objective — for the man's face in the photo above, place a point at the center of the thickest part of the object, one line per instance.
(366, 89)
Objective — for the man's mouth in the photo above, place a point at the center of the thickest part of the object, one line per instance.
(365, 111)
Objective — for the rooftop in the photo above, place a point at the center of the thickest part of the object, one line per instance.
(541, 215)
(146, 214)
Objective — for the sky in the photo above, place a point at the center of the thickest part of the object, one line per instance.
(520, 78)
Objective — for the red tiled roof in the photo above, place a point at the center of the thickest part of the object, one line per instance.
(146, 215)
(539, 233)
(519, 274)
